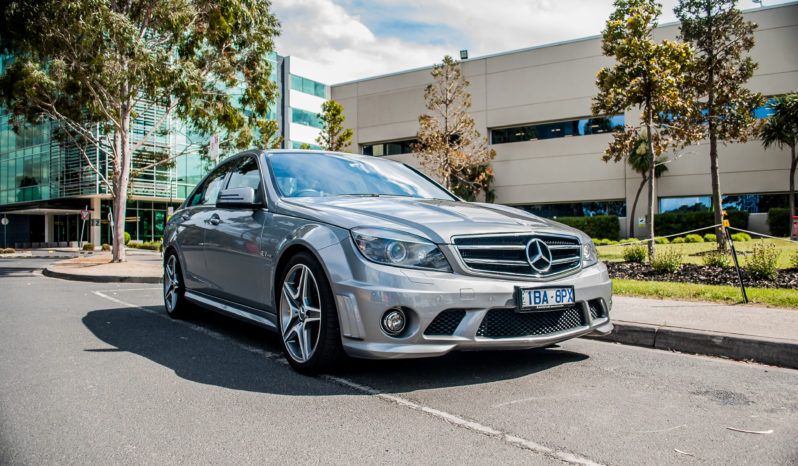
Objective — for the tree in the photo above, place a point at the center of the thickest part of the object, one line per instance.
(333, 135)
(449, 147)
(782, 128)
(647, 75)
(724, 109)
(94, 67)
(639, 161)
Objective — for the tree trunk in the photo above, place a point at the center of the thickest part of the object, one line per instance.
(634, 207)
(122, 179)
(792, 188)
(651, 198)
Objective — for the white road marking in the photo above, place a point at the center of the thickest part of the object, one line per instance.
(365, 389)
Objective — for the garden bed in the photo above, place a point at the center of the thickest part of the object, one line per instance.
(701, 274)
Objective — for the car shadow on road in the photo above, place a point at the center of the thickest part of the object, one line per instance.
(216, 350)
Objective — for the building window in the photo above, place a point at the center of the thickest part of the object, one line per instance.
(558, 129)
(299, 144)
(304, 117)
(308, 86)
(751, 203)
(388, 148)
(576, 209)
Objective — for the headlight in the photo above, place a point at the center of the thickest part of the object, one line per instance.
(589, 254)
(399, 249)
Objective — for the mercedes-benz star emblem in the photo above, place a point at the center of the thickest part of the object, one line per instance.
(539, 255)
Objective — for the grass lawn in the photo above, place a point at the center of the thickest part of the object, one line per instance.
(691, 251)
(779, 297)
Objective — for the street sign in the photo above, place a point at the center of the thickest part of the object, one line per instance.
(84, 215)
(213, 147)
(641, 222)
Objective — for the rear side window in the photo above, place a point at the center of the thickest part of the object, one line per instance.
(207, 193)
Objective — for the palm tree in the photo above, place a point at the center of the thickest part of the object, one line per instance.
(638, 159)
(782, 129)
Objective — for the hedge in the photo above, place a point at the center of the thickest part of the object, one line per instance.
(671, 223)
(779, 221)
(599, 226)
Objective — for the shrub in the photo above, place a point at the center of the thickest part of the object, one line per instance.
(693, 238)
(105, 247)
(611, 242)
(762, 263)
(629, 240)
(88, 247)
(741, 237)
(794, 260)
(151, 245)
(677, 240)
(605, 242)
(599, 226)
(127, 238)
(8, 251)
(596, 241)
(636, 253)
(717, 258)
(779, 221)
(710, 237)
(667, 260)
(661, 240)
(672, 223)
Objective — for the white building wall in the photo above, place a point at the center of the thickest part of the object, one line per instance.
(557, 82)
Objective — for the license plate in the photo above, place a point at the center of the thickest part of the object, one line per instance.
(530, 299)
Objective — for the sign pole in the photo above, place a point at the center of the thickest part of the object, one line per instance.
(83, 225)
(5, 228)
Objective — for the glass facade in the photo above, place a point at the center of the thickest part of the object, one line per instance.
(304, 117)
(576, 209)
(388, 148)
(308, 86)
(751, 203)
(557, 129)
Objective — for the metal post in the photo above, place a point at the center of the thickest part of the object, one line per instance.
(82, 227)
(736, 264)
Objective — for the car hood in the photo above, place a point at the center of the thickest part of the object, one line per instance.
(437, 220)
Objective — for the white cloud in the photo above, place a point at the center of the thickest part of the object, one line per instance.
(345, 48)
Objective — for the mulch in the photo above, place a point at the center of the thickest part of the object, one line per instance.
(701, 274)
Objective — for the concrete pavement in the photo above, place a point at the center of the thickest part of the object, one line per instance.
(744, 332)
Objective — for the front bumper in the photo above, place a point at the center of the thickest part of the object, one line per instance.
(372, 289)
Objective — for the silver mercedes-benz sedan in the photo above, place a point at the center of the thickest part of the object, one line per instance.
(346, 254)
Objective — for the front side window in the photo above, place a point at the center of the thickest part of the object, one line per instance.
(246, 175)
(207, 193)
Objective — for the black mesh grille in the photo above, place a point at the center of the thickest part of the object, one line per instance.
(445, 323)
(596, 309)
(507, 254)
(507, 323)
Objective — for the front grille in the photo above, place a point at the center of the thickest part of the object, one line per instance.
(507, 323)
(596, 309)
(507, 254)
(445, 323)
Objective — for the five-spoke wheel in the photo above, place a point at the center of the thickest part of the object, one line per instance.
(307, 316)
(173, 289)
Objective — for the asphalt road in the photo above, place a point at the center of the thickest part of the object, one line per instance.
(97, 373)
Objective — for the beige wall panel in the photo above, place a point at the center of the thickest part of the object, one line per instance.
(556, 192)
(404, 130)
(774, 84)
(562, 169)
(746, 157)
(478, 90)
(390, 108)
(775, 50)
(592, 145)
(350, 111)
(343, 91)
(535, 113)
(394, 82)
(537, 56)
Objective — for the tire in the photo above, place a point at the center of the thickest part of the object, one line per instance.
(307, 317)
(174, 289)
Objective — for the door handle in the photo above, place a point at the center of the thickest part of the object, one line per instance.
(215, 220)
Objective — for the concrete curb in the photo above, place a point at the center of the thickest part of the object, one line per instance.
(99, 278)
(28, 256)
(764, 350)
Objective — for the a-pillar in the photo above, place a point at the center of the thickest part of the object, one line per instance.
(96, 216)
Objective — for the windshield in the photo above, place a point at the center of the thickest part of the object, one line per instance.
(305, 174)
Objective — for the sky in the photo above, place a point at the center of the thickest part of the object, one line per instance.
(355, 39)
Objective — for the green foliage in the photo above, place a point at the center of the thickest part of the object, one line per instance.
(661, 240)
(717, 258)
(105, 247)
(794, 260)
(710, 237)
(693, 238)
(667, 261)
(597, 241)
(8, 251)
(127, 238)
(636, 253)
(598, 226)
(449, 147)
(671, 223)
(678, 240)
(88, 247)
(779, 221)
(740, 237)
(333, 135)
(761, 264)
(151, 245)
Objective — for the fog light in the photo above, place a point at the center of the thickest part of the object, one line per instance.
(394, 322)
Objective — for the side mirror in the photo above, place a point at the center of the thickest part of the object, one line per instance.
(238, 197)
